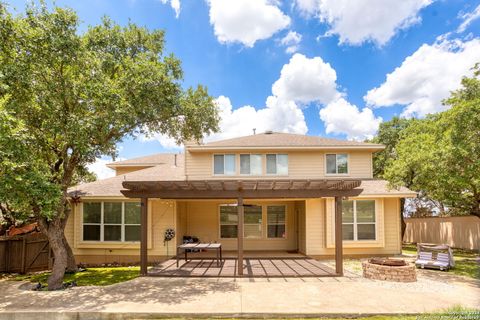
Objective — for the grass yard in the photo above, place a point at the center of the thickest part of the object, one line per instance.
(89, 277)
(466, 261)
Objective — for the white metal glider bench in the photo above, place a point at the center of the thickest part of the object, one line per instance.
(442, 261)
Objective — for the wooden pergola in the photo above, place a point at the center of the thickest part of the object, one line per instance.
(241, 190)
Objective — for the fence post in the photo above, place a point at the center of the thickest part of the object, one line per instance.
(24, 253)
(7, 254)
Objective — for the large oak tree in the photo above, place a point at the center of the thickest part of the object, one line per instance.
(70, 97)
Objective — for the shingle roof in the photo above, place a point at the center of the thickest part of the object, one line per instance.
(151, 160)
(111, 187)
(277, 139)
(380, 187)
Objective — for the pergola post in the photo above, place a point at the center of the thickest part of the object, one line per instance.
(240, 210)
(338, 237)
(144, 237)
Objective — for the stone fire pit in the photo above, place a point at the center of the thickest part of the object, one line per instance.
(389, 269)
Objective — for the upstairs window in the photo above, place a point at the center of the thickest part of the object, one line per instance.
(358, 220)
(277, 164)
(251, 164)
(337, 163)
(224, 164)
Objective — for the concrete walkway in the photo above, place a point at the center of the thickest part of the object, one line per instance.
(232, 297)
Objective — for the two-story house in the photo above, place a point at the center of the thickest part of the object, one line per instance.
(285, 188)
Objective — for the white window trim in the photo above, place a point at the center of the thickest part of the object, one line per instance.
(276, 162)
(250, 158)
(102, 224)
(355, 223)
(336, 166)
(224, 174)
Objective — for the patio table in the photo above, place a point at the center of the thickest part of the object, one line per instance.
(200, 246)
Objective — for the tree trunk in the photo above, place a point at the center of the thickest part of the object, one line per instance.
(60, 263)
(71, 263)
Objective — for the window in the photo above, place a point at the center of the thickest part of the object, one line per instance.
(337, 163)
(252, 224)
(277, 164)
(228, 221)
(224, 164)
(276, 218)
(358, 220)
(111, 221)
(251, 164)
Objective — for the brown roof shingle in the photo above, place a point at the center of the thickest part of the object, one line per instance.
(151, 160)
(277, 139)
(111, 187)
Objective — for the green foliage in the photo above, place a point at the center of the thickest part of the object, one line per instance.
(388, 135)
(440, 155)
(73, 96)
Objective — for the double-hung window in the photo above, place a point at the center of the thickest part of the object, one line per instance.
(228, 221)
(276, 219)
(358, 220)
(111, 221)
(277, 164)
(251, 164)
(252, 224)
(337, 163)
(224, 164)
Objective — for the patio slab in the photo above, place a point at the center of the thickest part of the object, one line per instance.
(254, 267)
(230, 297)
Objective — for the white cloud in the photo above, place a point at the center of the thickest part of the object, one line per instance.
(306, 80)
(291, 41)
(364, 20)
(246, 21)
(100, 169)
(340, 116)
(427, 77)
(175, 4)
(279, 116)
(164, 140)
(468, 18)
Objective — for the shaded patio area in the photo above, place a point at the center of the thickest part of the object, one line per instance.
(253, 267)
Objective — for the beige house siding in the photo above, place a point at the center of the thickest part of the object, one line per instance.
(301, 164)
(309, 229)
(202, 221)
(320, 229)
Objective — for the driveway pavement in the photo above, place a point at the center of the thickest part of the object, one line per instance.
(230, 297)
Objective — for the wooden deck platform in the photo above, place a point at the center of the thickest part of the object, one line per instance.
(253, 267)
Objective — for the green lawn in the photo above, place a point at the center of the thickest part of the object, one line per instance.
(465, 261)
(89, 277)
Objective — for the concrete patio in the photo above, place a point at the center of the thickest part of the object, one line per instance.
(259, 267)
(230, 297)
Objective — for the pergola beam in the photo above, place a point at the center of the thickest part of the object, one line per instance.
(247, 194)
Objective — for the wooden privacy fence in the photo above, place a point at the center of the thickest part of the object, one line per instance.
(25, 253)
(458, 232)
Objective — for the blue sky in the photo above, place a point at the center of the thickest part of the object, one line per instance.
(334, 68)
